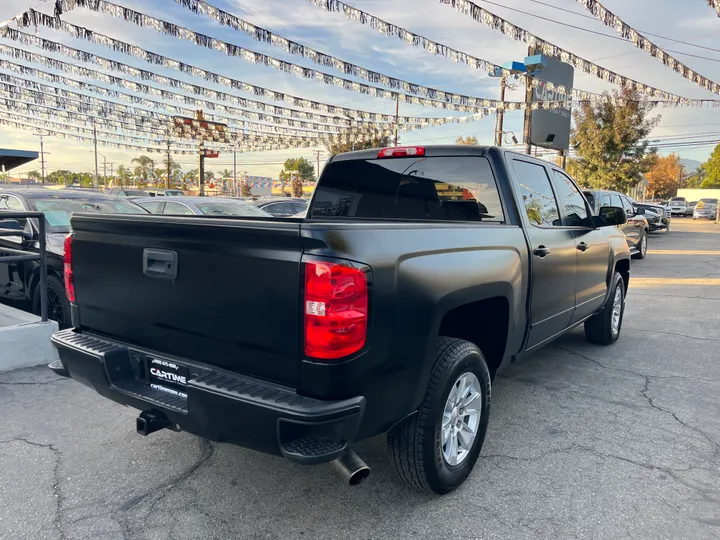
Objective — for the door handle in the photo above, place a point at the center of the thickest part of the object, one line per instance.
(582, 246)
(541, 251)
(160, 263)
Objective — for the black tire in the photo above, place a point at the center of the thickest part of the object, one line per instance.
(598, 328)
(642, 246)
(58, 304)
(415, 445)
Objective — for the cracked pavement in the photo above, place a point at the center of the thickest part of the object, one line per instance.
(584, 442)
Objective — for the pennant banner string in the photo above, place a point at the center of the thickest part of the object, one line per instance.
(22, 96)
(352, 115)
(42, 123)
(485, 17)
(421, 95)
(125, 145)
(102, 103)
(608, 18)
(59, 79)
(715, 4)
(188, 100)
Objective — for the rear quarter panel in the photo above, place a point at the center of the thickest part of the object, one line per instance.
(419, 273)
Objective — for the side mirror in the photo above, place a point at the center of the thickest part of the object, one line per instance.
(613, 215)
(639, 210)
(11, 225)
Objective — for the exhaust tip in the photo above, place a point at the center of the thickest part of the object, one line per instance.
(351, 468)
(359, 476)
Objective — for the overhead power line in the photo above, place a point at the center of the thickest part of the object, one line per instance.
(495, 22)
(583, 15)
(628, 33)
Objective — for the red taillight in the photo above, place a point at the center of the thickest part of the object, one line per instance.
(336, 310)
(402, 151)
(69, 284)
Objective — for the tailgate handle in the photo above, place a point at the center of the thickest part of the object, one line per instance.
(160, 263)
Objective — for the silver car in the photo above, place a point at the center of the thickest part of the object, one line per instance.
(200, 206)
(705, 209)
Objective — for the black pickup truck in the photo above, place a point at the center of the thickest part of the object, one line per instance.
(417, 273)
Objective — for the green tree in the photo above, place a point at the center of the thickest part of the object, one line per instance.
(227, 173)
(145, 167)
(611, 141)
(302, 165)
(123, 175)
(357, 139)
(35, 175)
(467, 140)
(712, 170)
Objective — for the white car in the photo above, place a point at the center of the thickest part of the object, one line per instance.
(677, 207)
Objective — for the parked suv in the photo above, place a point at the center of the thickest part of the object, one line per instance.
(636, 228)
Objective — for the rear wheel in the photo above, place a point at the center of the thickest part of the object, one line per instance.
(437, 448)
(58, 304)
(604, 327)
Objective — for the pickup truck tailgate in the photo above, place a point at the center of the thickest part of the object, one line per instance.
(234, 302)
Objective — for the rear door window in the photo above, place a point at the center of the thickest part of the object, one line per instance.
(458, 188)
(177, 209)
(537, 194)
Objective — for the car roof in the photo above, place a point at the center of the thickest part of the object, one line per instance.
(60, 194)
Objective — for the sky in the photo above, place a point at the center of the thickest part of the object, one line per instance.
(691, 22)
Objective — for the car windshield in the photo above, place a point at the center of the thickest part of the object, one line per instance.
(230, 208)
(173, 193)
(135, 193)
(709, 201)
(58, 211)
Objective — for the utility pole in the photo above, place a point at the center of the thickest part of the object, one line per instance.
(317, 157)
(42, 159)
(235, 186)
(528, 111)
(500, 114)
(201, 158)
(105, 170)
(169, 162)
(397, 110)
(96, 154)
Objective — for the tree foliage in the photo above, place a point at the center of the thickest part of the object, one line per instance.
(245, 190)
(467, 140)
(302, 165)
(145, 167)
(712, 170)
(358, 139)
(665, 176)
(613, 150)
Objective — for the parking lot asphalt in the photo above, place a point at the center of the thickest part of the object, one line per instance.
(584, 442)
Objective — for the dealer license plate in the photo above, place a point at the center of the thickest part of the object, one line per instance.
(168, 376)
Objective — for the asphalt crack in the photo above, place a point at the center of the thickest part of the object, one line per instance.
(645, 394)
(56, 487)
(23, 383)
(673, 334)
(207, 452)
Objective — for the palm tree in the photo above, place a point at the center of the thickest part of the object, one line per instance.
(35, 175)
(145, 167)
(227, 173)
(123, 174)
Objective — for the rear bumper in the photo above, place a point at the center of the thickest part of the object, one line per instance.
(220, 405)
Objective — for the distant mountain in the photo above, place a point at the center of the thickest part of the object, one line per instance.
(690, 165)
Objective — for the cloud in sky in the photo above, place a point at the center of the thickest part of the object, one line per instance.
(332, 33)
